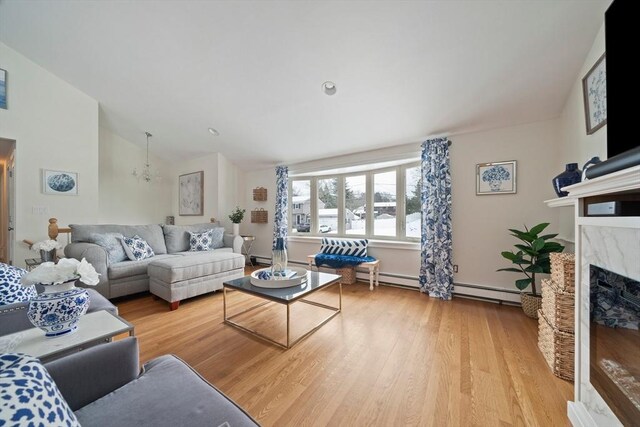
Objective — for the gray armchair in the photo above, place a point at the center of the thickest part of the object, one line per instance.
(104, 387)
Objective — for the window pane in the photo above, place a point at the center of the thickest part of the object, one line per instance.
(355, 198)
(300, 207)
(328, 205)
(384, 203)
(412, 206)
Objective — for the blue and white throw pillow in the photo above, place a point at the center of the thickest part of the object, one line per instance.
(200, 240)
(217, 237)
(350, 247)
(137, 248)
(28, 395)
(11, 291)
(111, 243)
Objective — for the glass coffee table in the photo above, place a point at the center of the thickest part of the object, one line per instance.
(285, 296)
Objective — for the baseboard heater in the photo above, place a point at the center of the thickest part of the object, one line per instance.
(415, 279)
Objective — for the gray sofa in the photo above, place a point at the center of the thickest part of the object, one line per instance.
(170, 244)
(104, 387)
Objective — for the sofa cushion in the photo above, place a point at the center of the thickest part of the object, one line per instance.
(111, 242)
(196, 265)
(137, 248)
(28, 395)
(124, 269)
(177, 236)
(152, 233)
(200, 240)
(169, 393)
(11, 291)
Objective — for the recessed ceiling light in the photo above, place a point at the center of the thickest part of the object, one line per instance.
(329, 88)
(214, 132)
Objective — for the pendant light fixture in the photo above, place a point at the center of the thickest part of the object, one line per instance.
(145, 174)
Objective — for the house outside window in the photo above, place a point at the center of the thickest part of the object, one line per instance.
(378, 204)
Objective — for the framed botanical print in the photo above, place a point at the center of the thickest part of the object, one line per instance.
(191, 194)
(496, 178)
(594, 91)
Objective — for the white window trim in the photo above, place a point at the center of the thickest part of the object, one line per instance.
(399, 241)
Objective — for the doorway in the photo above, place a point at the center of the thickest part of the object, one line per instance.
(7, 199)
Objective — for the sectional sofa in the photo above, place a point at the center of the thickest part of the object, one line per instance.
(173, 273)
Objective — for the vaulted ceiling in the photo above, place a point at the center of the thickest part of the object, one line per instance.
(253, 70)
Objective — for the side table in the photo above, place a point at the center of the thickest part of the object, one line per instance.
(247, 243)
(92, 328)
(32, 263)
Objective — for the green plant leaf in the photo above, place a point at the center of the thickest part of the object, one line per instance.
(523, 283)
(522, 235)
(548, 236)
(509, 255)
(513, 270)
(552, 247)
(537, 244)
(538, 228)
(534, 269)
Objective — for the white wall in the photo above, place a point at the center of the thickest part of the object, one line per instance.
(122, 198)
(577, 146)
(55, 126)
(479, 222)
(228, 198)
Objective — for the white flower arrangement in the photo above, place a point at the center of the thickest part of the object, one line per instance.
(66, 270)
(46, 245)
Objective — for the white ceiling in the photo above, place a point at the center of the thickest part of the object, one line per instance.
(253, 70)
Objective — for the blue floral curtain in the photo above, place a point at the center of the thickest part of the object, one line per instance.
(436, 269)
(280, 225)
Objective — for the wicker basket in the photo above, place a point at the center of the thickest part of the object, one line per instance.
(348, 275)
(558, 306)
(260, 194)
(530, 304)
(259, 216)
(563, 270)
(557, 347)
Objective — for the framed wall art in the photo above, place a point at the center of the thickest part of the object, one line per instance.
(191, 194)
(59, 182)
(594, 91)
(496, 178)
(3, 89)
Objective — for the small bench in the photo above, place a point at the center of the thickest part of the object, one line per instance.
(373, 266)
(345, 255)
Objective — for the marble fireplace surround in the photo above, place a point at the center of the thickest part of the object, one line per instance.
(616, 249)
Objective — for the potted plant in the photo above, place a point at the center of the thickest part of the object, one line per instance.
(531, 258)
(236, 217)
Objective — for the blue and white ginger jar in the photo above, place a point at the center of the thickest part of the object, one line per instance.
(57, 310)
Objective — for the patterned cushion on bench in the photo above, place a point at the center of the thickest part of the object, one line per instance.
(349, 247)
(340, 261)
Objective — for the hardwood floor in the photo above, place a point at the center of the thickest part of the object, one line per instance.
(393, 357)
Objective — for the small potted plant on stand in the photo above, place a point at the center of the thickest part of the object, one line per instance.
(236, 218)
(47, 249)
(531, 258)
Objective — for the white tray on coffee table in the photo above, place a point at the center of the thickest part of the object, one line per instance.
(297, 280)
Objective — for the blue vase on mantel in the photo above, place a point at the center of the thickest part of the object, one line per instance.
(571, 175)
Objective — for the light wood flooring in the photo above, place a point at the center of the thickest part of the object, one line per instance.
(393, 357)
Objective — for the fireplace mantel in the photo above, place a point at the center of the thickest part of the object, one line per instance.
(612, 243)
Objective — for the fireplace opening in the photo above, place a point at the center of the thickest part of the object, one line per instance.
(614, 303)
